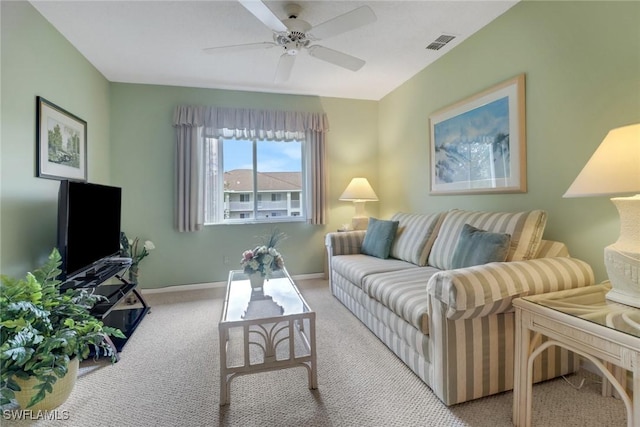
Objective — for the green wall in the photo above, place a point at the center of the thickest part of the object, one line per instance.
(38, 61)
(582, 66)
(131, 144)
(143, 147)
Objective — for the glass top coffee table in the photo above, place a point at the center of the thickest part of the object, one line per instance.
(264, 329)
(581, 320)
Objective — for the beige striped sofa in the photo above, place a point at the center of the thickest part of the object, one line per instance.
(454, 327)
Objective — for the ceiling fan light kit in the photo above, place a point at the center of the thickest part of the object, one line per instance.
(294, 35)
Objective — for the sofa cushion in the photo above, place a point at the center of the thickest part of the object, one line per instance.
(415, 236)
(476, 247)
(525, 229)
(404, 292)
(356, 267)
(380, 234)
(395, 330)
(550, 248)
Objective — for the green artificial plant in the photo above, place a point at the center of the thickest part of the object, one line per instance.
(42, 328)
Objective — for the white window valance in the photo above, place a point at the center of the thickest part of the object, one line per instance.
(218, 122)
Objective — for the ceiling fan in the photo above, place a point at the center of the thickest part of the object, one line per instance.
(293, 35)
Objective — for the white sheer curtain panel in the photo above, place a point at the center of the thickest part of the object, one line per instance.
(195, 123)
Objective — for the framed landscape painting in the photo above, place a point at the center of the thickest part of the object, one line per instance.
(478, 145)
(61, 151)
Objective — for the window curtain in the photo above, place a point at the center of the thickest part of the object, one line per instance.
(189, 215)
(194, 123)
(317, 174)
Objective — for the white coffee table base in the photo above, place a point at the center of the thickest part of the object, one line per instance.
(267, 336)
(265, 328)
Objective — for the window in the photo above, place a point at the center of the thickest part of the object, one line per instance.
(249, 181)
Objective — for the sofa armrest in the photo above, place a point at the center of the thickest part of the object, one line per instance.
(344, 243)
(485, 289)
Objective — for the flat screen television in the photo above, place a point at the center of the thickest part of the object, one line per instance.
(88, 225)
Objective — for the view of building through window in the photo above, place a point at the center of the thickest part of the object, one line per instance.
(260, 180)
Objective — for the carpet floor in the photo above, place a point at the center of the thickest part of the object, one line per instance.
(168, 375)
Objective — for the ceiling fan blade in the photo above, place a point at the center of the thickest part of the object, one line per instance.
(343, 23)
(338, 58)
(235, 48)
(264, 14)
(284, 67)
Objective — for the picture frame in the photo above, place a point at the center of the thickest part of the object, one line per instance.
(478, 145)
(61, 140)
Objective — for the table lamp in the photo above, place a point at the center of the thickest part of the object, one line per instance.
(614, 170)
(359, 191)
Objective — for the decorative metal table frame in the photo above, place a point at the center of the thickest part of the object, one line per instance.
(582, 321)
(270, 333)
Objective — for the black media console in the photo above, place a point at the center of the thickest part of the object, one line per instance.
(108, 279)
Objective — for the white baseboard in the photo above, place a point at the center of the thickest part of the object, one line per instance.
(183, 288)
(214, 285)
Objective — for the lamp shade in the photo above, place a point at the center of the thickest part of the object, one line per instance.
(614, 169)
(358, 190)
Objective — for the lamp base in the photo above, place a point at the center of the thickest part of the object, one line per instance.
(623, 269)
(360, 222)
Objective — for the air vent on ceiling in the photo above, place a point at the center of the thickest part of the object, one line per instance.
(438, 43)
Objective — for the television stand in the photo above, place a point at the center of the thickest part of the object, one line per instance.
(109, 281)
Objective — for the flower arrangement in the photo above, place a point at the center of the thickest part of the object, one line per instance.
(131, 248)
(264, 258)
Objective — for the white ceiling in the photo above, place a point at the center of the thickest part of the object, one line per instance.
(162, 42)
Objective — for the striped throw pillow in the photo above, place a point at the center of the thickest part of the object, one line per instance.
(415, 236)
(525, 229)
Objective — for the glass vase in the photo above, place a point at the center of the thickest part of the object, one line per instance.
(257, 280)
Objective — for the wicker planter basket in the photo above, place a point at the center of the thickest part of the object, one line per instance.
(61, 390)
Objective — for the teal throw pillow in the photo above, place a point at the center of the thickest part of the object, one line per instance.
(476, 247)
(379, 237)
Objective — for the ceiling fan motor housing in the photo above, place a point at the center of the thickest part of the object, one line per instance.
(295, 38)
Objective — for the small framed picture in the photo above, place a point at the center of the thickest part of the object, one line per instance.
(478, 144)
(61, 138)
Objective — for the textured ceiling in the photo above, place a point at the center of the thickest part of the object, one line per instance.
(162, 42)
